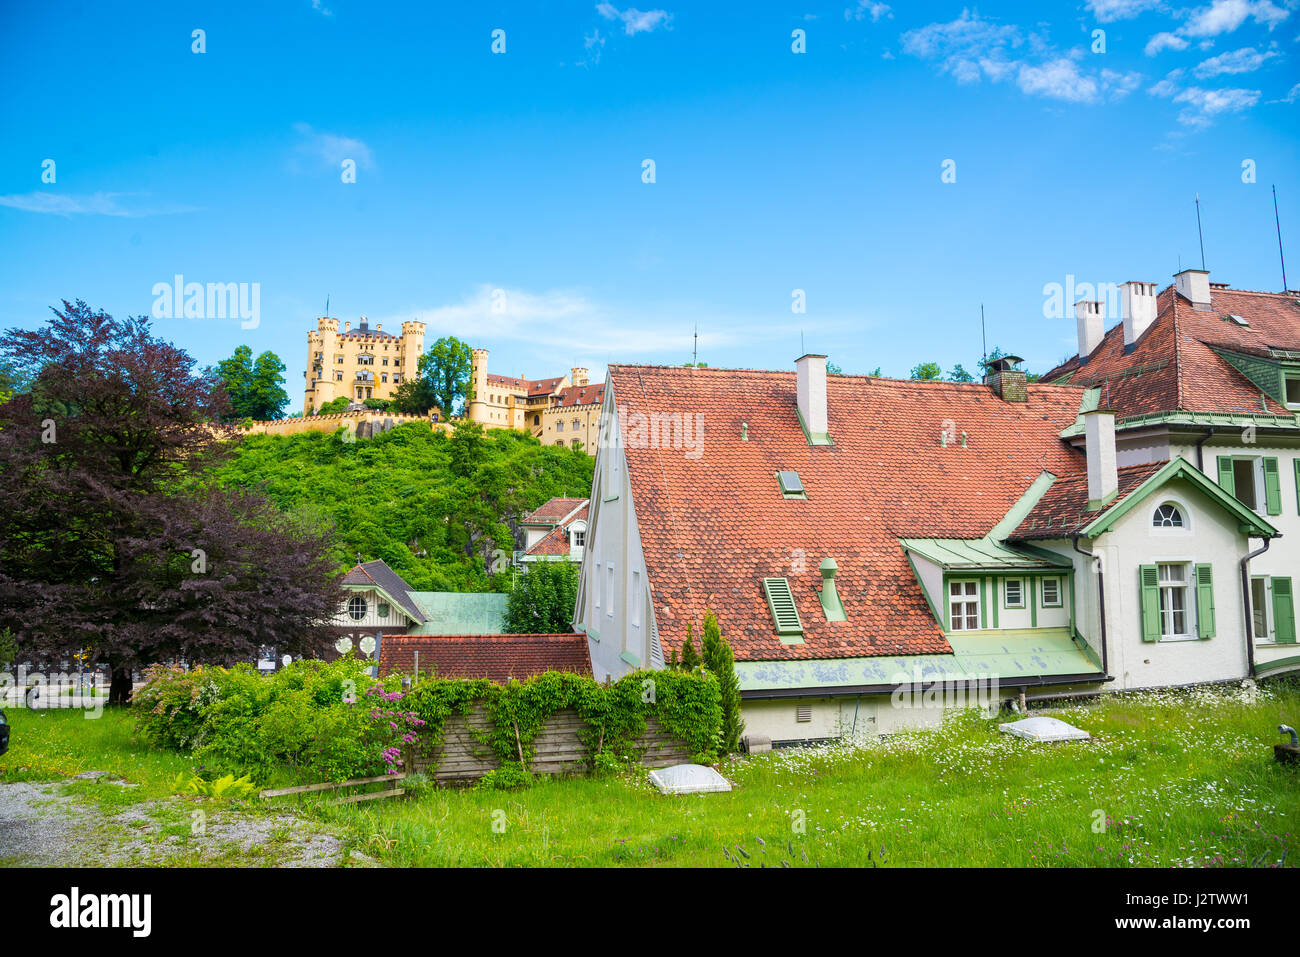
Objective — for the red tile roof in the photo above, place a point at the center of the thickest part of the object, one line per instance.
(576, 395)
(554, 510)
(556, 541)
(495, 657)
(1063, 509)
(543, 386)
(1173, 367)
(713, 525)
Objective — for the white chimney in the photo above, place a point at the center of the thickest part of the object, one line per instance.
(1092, 327)
(812, 394)
(1138, 306)
(1194, 284)
(1103, 470)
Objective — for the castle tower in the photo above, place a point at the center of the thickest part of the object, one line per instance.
(578, 376)
(412, 348)
(321, 345)
(477, 407)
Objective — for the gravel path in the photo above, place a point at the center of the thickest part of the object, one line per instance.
(41, 825)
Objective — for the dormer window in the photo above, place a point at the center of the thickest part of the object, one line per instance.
(1292, 386)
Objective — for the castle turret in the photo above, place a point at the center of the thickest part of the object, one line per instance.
(319, 387)
(477, 406)
(578, 376)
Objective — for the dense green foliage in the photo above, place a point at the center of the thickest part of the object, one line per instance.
(339, 404)
(441, 510)
(255, 386)
(687, 705)
(543, 599)
(324, 721)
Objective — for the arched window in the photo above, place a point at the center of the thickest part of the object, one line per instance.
(537, 420)
(357, 608)
(1167, 516)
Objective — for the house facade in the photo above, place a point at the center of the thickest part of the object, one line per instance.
(872, 546)
(556, 531)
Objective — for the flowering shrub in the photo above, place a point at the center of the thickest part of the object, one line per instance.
(324, 721)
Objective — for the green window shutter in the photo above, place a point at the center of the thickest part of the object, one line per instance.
(1283, 611)
(1149, 581)
(1225, 475)
(1297, 482)
(1272, 487)
(781, 602)
(1204, 601)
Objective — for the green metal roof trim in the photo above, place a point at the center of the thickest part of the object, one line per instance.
(1011, 656)
(1179, 467)
(979, 553)
(461, 613)
(1024, 505)
(1028, 653)
(1265, 420)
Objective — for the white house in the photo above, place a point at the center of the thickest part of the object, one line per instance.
(863, 539)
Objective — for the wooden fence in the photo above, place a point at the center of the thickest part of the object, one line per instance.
(460, 758)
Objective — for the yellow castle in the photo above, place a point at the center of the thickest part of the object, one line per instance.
(361, 363)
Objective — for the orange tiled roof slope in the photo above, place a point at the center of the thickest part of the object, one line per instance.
(556, 541)
(497, 658)
(713, 526)
(552, 511)
(1172, 367)
(1063, 509)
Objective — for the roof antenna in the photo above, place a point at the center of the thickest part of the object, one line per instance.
(984, 343)
(1279, 238)
(327, 305)
(695, 349)
(1199, 234)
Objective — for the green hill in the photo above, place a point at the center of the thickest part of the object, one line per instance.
(436, 508)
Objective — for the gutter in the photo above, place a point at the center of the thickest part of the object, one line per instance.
(1245, 600)
(1200, 458)
(1101, 603)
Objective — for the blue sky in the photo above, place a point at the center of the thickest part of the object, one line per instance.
(522, 171)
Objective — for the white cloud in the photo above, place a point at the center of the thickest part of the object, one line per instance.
(92, 204)
(1203, 105)
(1164, 41)
(319, 7)
(868, 9)
(1224, 16)
(1168, 86)
(1108, 11)
(545, 321)
(332, 148)
(1291, 97)
(1245, 60)
(1058, 79)
(635, 21)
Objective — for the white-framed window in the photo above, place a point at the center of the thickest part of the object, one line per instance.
(609, 581)
(964, 605)
(357, 607)
(1175, 601)
(578, 537)
(599, 582)
(1013, 590)
(1167, 515)
(1051, 592)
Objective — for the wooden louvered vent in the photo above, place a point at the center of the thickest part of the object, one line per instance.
(781, 601)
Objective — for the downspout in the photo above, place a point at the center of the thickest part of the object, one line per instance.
(1200, 459)
(1101, 602)
(1245, 598)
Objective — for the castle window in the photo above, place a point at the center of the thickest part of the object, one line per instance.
(339, 360)
(577, 423)
(537, 420)
(338, 376)
(385, 357)
(383, 377)
(559, 426)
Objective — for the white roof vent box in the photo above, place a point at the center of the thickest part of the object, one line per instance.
(1044, 729)
(688, 779)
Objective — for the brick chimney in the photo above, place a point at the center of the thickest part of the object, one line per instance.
(1006, 381)
(812, 395)
(1194, 284)
(1138, 306)
(1092, 327)
(1103, 468)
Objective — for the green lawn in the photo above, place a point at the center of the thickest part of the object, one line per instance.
(1176, 779)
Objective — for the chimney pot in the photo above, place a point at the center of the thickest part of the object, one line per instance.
(1103, 467)
(812, 396)
(1092, 327)
(1138, 307)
